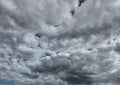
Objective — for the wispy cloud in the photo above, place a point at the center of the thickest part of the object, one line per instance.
(42, 43)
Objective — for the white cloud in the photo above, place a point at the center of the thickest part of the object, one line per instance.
(68, 48)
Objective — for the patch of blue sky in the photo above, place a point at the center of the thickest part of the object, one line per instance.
(6, 82)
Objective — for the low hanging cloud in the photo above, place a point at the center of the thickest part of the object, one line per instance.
(60, 42)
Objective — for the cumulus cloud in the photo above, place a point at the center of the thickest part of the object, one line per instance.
(60, 42)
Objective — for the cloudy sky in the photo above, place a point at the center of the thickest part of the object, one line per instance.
(60, 42)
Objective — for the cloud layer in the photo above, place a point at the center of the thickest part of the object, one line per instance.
(60, 42)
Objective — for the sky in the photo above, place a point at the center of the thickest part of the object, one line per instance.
(6, 82)
(60, 42)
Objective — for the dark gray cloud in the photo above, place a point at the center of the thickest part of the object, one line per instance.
(117, 48)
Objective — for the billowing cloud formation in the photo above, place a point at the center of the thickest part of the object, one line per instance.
(60, 42)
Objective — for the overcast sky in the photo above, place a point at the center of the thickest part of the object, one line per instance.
(60, 42)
